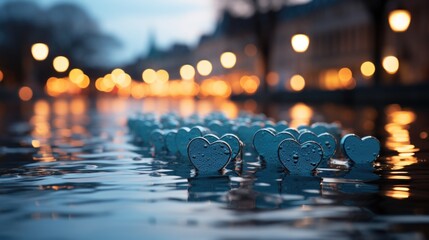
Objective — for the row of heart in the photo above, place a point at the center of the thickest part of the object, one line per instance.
(298, 152)
(211, 154)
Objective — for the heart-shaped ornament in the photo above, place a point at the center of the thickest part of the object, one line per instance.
(208, 157)
(300, 159)
(293, 131)
(233, 141)
(245, 132)
(157, 138)
(361, 151)
(266, 142)
(326, 140)
(185, 135)
(170, 142)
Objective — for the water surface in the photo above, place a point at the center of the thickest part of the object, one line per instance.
(69, 169)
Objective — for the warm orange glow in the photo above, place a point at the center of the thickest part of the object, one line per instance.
(249, 84)
(300, 114)
(187, 72)
(149, 76)
(346, 78)
(76, 75)
(345, 74)
(221, 89)
(367, 69)
(137, 90)
(35, 143)
(204, 67)
(57, 86)
(162, 76)
(215, 88)
(398, 194)
(85, 82)
(391, 64)
(1, 76)
(273, 79)
(423, 135)
(61, 64)
(230, 109)
(399, 140)
(116, 73)
(40, 51)
(78, 106)
(297, 83)
(228, 60)
(399, 20)
(300, 42)
(25, 93)
(120, 78)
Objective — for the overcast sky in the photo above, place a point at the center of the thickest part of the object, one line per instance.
(131, 21)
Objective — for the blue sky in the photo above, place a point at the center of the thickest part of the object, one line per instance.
(131, 21)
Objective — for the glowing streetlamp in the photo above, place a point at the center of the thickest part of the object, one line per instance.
(40, 51)
(228, 59)
(300, 42)
(399, 20)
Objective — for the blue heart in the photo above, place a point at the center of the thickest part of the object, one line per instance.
(245, 133)
(266, 143)
(170, 142)
(281, 126)
(185, 135)
(326, 140)
(300, 159)
(361, 151)
(157, 138)
(292, 131)
(208, 157)
(232, 140)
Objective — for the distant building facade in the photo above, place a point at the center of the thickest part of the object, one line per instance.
(341, 36)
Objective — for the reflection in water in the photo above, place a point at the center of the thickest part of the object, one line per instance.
(399, 140)
(83, 167)
(300, 114)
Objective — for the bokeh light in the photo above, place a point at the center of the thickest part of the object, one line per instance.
(40, 51)
(187, 72)
(391, 64)
(204, 67)
(367, 69)
(162, 76)
(297, 83)
(249, 84)
(228, 60)
(399, 20)
(300, 42)
(1, 76)
(149, 76)
(25, 93)
(61, 64)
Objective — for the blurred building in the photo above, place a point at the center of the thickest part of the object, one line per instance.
(341, 34)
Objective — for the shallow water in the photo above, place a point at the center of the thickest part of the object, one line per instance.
(69, 169)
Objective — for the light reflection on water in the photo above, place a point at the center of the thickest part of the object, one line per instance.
(75, 172)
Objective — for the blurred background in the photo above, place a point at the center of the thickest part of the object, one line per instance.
(348, 51)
